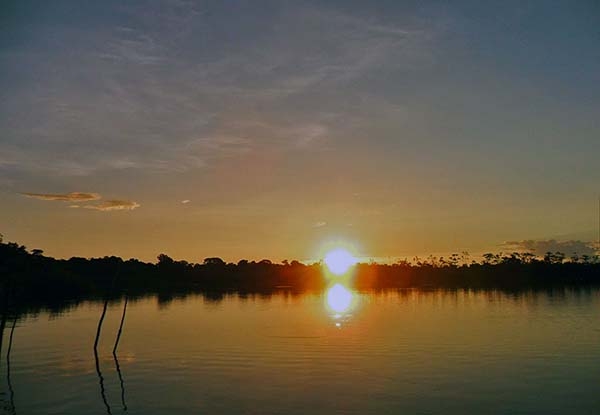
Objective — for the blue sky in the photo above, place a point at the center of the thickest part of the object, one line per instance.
(404, 127)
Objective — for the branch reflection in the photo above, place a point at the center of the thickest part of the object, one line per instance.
(98, 371)
(11, 391)
(101, 382)
(117, 359)
(121, 382)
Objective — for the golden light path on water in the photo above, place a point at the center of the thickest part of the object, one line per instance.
(340, 300)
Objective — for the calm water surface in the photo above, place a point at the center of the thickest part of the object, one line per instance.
(415, 352)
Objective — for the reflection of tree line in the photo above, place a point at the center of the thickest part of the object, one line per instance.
(35, 282)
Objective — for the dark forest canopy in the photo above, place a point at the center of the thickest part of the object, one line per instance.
(28, 278)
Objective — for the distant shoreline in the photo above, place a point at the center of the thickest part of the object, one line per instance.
(30, 281)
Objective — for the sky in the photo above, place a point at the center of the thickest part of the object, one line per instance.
(259, 129)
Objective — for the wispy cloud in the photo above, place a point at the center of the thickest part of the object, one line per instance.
(319, 224)
(110, 205)
(185, 202)
(308, 134)
(79, 199)
(541, 247)
(159, 100)
(65, 197)
(132, 46)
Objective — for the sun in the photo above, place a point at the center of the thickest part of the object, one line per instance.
(339, 261)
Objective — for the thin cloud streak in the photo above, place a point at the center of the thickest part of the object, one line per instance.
(541, 247)
(66, 197)
(82, 197)
(111, 205)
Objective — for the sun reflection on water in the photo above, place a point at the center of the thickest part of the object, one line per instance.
(340, 301)
(339, 298)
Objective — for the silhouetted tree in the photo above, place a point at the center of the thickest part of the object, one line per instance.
(31, 280)
(554, 257)
(164, 259)
(213, 261)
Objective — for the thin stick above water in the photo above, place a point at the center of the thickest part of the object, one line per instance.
(120, 327)
(99, 329)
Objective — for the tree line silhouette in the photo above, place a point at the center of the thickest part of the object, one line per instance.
(28, 279)
(31, 282)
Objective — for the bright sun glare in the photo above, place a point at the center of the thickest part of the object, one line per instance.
(339, 261)
(339, 298)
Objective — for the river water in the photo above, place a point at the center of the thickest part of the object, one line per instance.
(335, 352)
